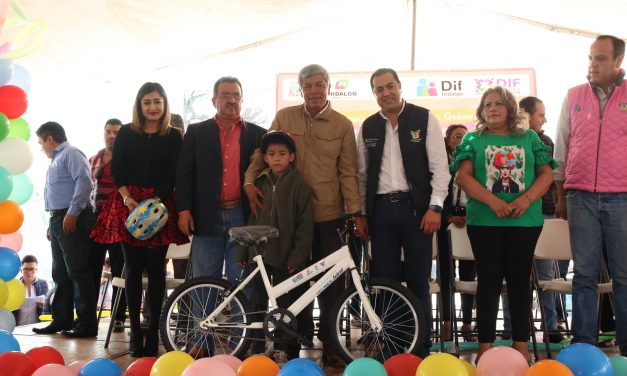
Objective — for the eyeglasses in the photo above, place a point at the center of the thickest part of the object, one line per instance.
(29, 269)
(236, 96)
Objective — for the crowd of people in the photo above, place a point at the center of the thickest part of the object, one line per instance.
(400, 180)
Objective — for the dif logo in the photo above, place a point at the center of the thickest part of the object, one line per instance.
(426, 88)
(451, 88)
(483, 84)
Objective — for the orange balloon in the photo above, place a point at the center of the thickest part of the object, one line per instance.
(258, 365)
(11, 217)
(548, 367)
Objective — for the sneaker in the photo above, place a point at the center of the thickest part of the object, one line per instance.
(118, 326)
(279, 357)
(556, 337)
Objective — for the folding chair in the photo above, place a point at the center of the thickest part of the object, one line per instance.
(108, 279)
(554, 244)
(461, 249)
(435, 289)
(175, 252)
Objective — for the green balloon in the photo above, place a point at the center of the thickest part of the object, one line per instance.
(6, 184)
(19, 129)
(619, 364)
(365, 367)
(22, 189)
(4, 126)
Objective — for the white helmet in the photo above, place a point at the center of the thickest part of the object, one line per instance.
(147, 219)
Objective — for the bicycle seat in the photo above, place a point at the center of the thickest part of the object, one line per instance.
(253, 235)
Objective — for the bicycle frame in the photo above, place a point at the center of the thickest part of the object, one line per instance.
(335, 264)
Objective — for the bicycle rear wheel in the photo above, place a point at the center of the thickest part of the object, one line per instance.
(398, 309)
(192, 302)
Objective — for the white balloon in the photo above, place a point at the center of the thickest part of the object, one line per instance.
(7, 320)
(15, 155)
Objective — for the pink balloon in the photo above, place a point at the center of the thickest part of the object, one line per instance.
(208, 366)
(231, 360)
(502, 361)
(76, 366)
(13, 241)
(53, 369)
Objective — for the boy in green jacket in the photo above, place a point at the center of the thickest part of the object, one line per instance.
(287, 206)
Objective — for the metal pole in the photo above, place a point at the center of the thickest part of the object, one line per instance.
(413, 36)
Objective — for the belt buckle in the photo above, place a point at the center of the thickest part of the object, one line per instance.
(393, 197)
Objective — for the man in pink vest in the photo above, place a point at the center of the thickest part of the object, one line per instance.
(591, 148)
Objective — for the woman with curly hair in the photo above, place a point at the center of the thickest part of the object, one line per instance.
(504, 169)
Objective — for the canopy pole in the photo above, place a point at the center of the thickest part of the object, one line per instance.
(413, 35)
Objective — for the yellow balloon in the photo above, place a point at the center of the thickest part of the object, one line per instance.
(4, 293)
(171, 364)
(470, 369)
(440, 364)
(27, 40)
(17, 293)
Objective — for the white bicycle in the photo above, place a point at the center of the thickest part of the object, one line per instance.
(375, 318)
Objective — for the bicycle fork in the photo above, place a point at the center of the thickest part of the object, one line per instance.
(373, 318)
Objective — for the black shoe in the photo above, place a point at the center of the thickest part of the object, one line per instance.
(556, 337)
(118, 326)
(136, 347)
(80, 332)
(50, 329)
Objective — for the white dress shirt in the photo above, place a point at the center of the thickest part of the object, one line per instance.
(392, 174)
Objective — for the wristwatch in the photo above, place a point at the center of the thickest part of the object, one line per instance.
(436, 208)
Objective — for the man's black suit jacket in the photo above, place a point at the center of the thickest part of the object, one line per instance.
(199, 172)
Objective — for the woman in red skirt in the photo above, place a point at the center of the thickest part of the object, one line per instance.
(143, 166)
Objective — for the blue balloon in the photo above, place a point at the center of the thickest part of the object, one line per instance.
(8, 342)
(301, 367)
(7, 320)
(9, 264)
(100, 367)
(6, 184)
(6, 71)
(584, 359)
(21, 78)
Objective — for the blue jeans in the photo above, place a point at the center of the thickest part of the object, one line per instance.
(211, 253)
(596, 219)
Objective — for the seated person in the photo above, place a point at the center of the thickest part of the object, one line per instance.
(36, 290)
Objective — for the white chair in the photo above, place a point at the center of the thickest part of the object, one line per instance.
(554, 244)
(175, 252)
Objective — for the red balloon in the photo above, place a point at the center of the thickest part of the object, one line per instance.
(14, 363)
(402, 365)
(13, 101)
(141, 367)
(45, 355)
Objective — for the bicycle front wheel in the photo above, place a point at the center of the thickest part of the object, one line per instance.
(398, 309)
(192, 302)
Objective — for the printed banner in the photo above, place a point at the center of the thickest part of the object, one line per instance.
(453, 96)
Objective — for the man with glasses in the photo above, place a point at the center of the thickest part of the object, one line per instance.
(209, 179)
(36, 290)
